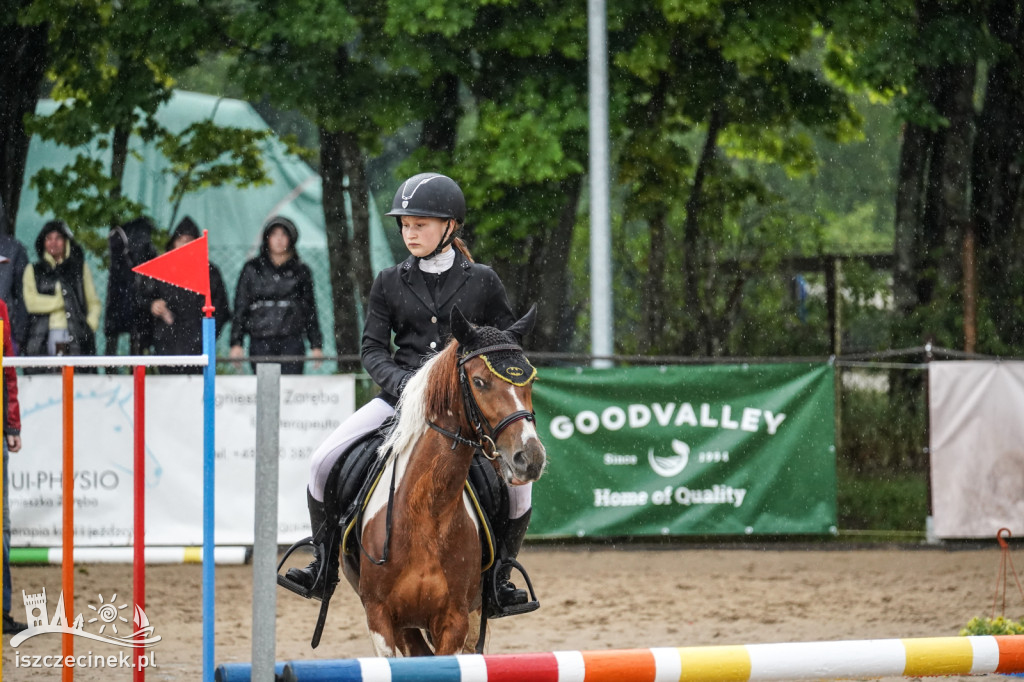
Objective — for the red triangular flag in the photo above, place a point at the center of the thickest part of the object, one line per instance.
(187, 266)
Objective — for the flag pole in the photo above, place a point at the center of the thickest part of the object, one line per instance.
(188, 266)
(209, 372)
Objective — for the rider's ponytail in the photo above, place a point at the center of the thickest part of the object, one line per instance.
(461, 246)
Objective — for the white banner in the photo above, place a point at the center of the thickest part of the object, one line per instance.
(311, 407)
(977, 456)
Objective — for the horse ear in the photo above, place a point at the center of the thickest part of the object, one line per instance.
(524, 325)
(462, 330)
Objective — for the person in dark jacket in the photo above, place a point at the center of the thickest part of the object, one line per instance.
(178, 313)
(13, 260)
(130, 245)
(64, 310)
(12, 443)
(414, 300)
(274, 302)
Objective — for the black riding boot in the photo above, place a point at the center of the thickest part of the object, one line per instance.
(306, 578)
(512, 600)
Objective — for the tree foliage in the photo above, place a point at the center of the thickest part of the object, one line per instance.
(743, 134)
(112, 66)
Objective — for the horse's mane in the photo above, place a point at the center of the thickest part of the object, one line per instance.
(430, 394)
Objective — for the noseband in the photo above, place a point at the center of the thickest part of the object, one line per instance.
(486, 434)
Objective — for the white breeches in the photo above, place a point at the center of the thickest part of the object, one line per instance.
(364, 420)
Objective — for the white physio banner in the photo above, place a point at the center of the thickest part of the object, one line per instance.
(977, 447)
(311, 407)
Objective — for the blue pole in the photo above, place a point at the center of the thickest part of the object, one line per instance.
(209, 348)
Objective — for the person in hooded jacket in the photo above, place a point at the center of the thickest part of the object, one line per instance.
(274, 302)
(129, 245)
(414, 300)
(177, 313)
(13, 260)
(64, 310)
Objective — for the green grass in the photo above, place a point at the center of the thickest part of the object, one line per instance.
(891, 503)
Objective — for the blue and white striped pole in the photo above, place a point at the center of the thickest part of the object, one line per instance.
(210, 349)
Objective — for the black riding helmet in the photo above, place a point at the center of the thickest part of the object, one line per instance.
(432, 195)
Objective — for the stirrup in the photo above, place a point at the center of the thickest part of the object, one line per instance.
(320, 587)
(495, 607)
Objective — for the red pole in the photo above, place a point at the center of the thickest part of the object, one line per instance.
(68, 531)
(139, 568)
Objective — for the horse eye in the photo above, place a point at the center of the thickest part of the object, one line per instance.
(478, 382)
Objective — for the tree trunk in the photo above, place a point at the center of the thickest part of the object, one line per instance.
(548, 286)
(952, 175)
(354, 166)
(693, 338)
(997, 190)
(653, 297)
(909, 208)
(118, 160)
(339, 255)
(24, 55)
(441, 125)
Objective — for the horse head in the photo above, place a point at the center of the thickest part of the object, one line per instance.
(496, 380)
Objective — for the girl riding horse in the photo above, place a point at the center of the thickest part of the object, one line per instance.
(414, 300)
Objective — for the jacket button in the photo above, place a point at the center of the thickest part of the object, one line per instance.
(64, 291)
(433, 344)
(433, 319)
(67, 315)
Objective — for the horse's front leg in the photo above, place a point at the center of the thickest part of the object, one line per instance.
(473, 636)
(382, 630)
(449, 631)
(413, 643)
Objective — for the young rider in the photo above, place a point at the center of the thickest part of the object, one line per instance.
(414, 300)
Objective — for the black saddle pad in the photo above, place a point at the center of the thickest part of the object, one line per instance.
(350, 474)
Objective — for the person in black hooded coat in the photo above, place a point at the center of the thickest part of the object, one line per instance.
(274, 302)
(177, 314)
(130, 245)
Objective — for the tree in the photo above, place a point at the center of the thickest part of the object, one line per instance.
(954, 72)
(714, 100)
(24, 52)
(112, 68)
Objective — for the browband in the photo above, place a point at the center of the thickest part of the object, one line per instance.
(490, 349)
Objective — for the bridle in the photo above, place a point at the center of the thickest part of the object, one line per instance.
(485, 433)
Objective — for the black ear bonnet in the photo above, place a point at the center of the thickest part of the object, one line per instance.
(501, 351)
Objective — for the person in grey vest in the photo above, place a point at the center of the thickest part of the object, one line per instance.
(60, 296)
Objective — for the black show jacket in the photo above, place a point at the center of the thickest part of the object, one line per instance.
(400, 302)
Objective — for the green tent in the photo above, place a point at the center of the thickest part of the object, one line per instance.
(234, 217)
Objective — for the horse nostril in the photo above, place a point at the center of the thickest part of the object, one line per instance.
(519, 459)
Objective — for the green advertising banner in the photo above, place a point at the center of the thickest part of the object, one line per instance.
(719, 449)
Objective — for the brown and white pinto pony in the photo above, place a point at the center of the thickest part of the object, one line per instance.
(431, 580)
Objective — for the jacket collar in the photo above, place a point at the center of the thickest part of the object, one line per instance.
(457, 277)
